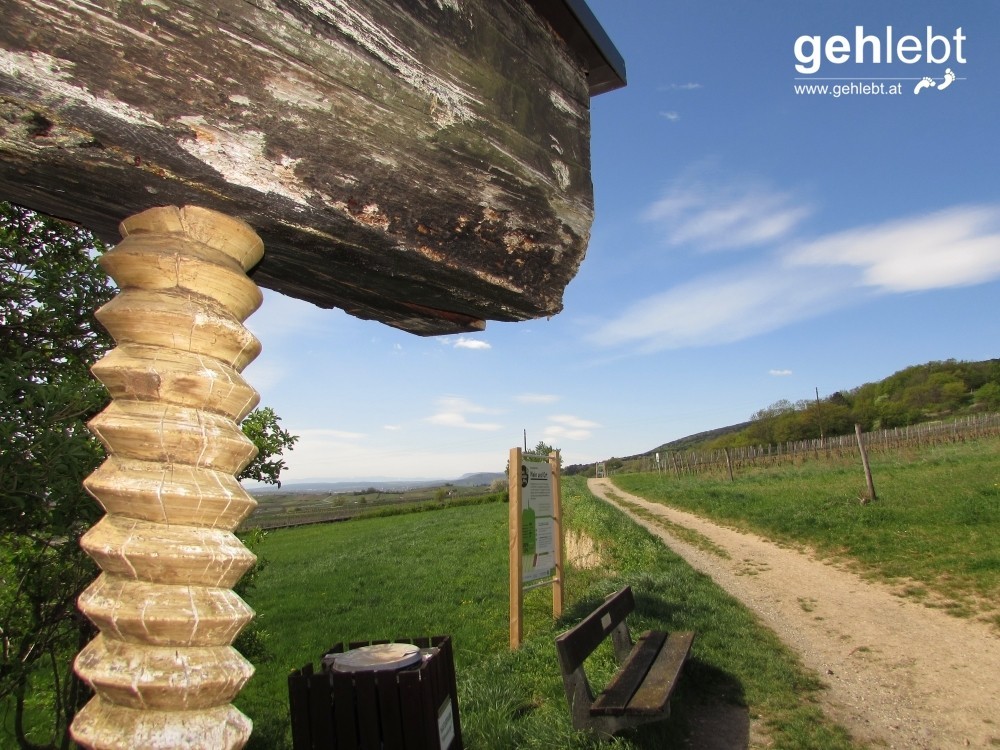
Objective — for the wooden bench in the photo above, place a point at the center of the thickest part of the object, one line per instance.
(640, 690)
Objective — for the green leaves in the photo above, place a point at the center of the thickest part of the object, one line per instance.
(50, 285)
(262, 427)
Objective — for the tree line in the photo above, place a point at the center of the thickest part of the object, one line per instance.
(699, 461)
(914, 395)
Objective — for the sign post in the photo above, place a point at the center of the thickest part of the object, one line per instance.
(535, 526)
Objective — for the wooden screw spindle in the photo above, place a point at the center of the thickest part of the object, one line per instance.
(163, 667)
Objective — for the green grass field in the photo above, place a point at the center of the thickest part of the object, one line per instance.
(442, 569)
(934, 529)
(445, 572)
(280, 508)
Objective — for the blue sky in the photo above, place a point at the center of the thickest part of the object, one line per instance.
(750, 244)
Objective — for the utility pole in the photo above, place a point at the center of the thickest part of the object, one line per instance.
(820, 413)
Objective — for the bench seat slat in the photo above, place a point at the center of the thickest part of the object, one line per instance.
(615, 698)
(653, 695)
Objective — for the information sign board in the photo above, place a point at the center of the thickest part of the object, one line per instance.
(537, 522)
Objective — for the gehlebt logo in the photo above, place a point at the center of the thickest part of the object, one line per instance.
(826, 59)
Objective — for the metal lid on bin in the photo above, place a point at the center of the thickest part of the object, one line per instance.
(380, 657)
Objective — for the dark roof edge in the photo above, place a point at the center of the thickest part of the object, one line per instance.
(575, 22)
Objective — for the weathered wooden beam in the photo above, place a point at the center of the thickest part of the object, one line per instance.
(424, 163)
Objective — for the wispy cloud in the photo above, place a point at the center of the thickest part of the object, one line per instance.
(568, 427)
(716, 217)
(536, 398)
(797, 279)
(266, 372)
(455, 411)
(779, 373)
(721, 308)
(671, 116)
(954, 247)
(281, 315)
(331, 435)
(681, 87)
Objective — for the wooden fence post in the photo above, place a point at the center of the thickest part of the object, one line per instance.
(162, 666)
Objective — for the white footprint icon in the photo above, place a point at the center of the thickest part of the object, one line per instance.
(949, 78)
(926, 83)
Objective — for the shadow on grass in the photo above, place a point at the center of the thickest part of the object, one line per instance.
(707, 713)
(713, 707)
(270, 734)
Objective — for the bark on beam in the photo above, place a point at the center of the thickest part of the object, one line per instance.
(425, 164)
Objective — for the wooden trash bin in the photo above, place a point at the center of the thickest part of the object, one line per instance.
(414, 707)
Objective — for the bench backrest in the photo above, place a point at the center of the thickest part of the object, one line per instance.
(579, 642)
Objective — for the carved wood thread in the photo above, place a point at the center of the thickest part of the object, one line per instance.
(163, 667)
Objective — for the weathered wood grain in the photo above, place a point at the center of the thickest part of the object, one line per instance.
(424, 163)
(163, 668)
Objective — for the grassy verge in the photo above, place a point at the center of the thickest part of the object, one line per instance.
(446, 572)
(935, 527)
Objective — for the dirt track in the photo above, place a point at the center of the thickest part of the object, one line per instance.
(900, 675)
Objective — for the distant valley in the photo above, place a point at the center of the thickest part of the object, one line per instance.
(382, 485)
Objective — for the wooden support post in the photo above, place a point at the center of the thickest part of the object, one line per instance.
(514, 489)
(559, 581)
(163, 667)
(867, 467)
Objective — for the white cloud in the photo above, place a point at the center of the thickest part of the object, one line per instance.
(536, 398)
(955, 247)
(682, 87)
(392, 427)
(794, 279)
(717, 217)
(454, 419)
(671, 116)
(453, 411)
(465, 343)
(779, 373)
(568, 427)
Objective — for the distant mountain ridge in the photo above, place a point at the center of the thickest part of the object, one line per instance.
(384, 485)
(698, 438)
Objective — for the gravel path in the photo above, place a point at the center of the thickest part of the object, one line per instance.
(900, 675)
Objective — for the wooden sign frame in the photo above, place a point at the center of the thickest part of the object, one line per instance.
(517, 584)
